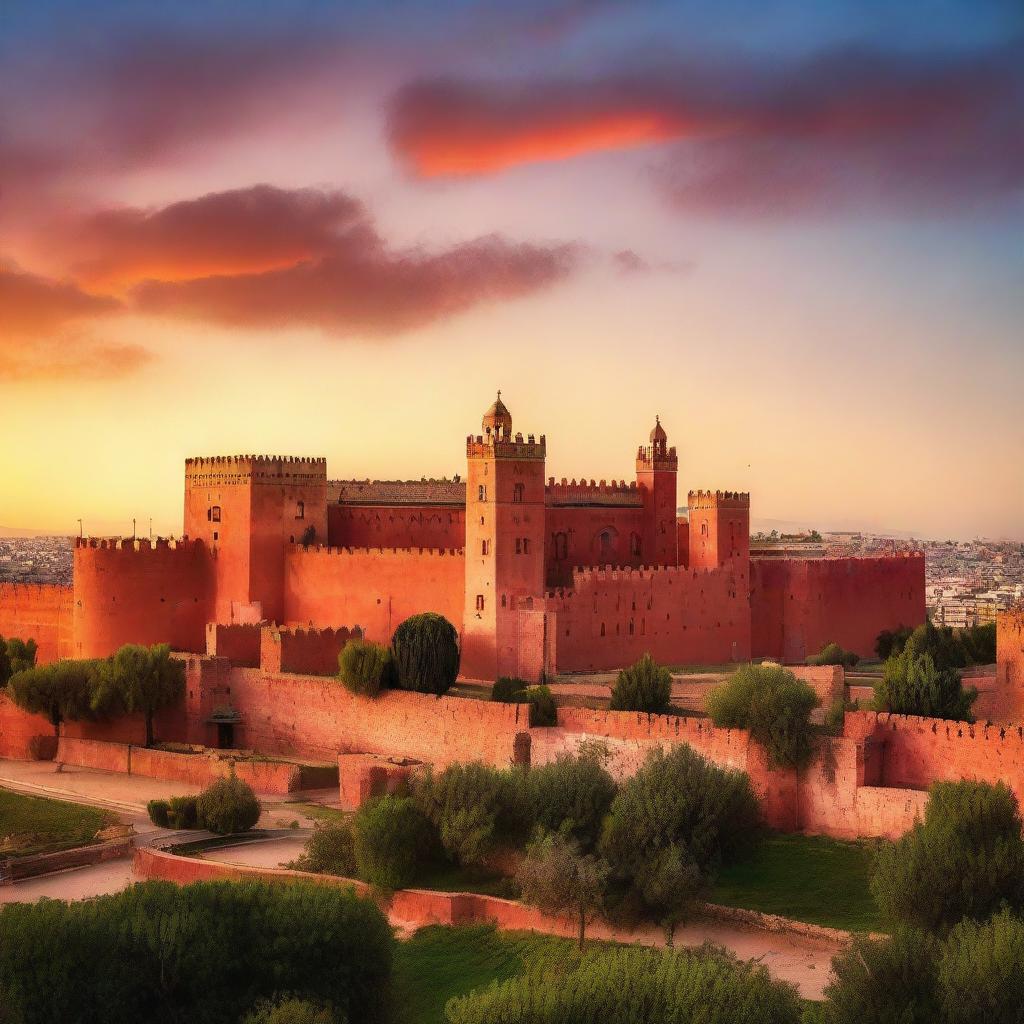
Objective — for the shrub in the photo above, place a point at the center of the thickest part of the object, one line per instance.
(365, 668)
(913, 685)
(571, 796)
(964, 860)
(390, 836)
(158, 811)
(62, 690)
(980, 643)
(426, 652)
(885, 981)
(292, 1011)
(330, 850)
(636, 985)
(774, 705)
(471, 806)
(980, 975)
(205, 953)
(558, 880)
(543, 710)
(676, 799)
(507, 688)
(644, 686)
(833, 654)
(182, 813)
(227, 806)
(891, 642)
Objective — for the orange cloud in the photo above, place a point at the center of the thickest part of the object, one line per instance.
(244, 231)
(32, 306)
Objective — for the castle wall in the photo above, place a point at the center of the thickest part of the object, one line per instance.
(142, 593)
(799, 605)
(313, 716)
(593, 536)
(239, 642)
(305, 651)
(1010, 664)
(374, 588)
(18, 729)
(398, 526)
(918, 751)
(41, 612)
(611, 617)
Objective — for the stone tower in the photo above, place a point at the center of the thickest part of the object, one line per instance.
(719, 530)
(657, 467)
(504, 541)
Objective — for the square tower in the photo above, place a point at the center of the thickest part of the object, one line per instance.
(719, 530)
(504, 542)
(248, 509)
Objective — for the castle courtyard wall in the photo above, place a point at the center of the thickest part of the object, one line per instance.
(42, 612)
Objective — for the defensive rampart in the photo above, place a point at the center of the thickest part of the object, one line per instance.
(798, 605)
(611, 617)
(41, 612)
(373, 588)
(135, 591)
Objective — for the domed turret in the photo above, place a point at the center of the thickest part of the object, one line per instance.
(658, 433)
(497, 419)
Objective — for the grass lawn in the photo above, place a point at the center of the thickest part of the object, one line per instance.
(316, 811)
(808, 878)
(32, 824)
(438, 963)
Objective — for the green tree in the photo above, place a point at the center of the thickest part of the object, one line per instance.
(62, 690)
(833, 654)
(16, 656)
(885, 981)
(390, 839)
(912, 684)
(560, 881)
(774, 705)
(292, 1011)
(570, 795)
(965, 860)
(365, 668)
(472, 807)
(891, 641)
(330, 850)
(227, 806)
(676, 799)
(426, 652)
(140, 679)
(641, 986)
(506, 689)
(671, 884)
(644, 686)
(981, 980)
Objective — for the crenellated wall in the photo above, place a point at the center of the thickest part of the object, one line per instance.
(404, 526)
(799, 605)
(305, 651)
(373, 588)
(42, 612)
(611, 617)
(135, 591)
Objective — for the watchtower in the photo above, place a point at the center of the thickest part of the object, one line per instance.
(719, 529)
(657, 468)
(248, 509)
(504, 541)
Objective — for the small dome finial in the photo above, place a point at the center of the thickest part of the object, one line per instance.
(498, 419)
(658, 435)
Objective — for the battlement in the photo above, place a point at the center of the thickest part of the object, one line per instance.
(719, 499)
(142, 545)
(587, 575)
(571, 492)
(832, 561)
(260, 468)
(397, 492)
(649, 456)
(495, 446)
(860, 724)
(323, 549)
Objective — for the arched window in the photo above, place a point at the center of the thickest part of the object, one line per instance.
(300, 510)
(560, 542)
(606, 543)
(703, 529)
(481, 492)
(479, 602)
(485, 547)
(634, 545)
(517, 492)
(602, 629)
(214, 514)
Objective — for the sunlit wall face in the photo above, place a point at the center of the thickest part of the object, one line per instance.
(794, 233)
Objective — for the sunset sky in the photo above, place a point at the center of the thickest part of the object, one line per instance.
(793, 229)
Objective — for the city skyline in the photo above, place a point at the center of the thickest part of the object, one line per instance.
(301, 231)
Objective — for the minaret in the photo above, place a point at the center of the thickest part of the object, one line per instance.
(656, 469)
(504, 541)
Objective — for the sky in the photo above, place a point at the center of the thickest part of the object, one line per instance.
(794, 231)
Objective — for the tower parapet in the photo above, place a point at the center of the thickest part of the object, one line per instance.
(255, 469)
(718, 499)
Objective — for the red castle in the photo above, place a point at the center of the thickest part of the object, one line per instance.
(540, 576)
